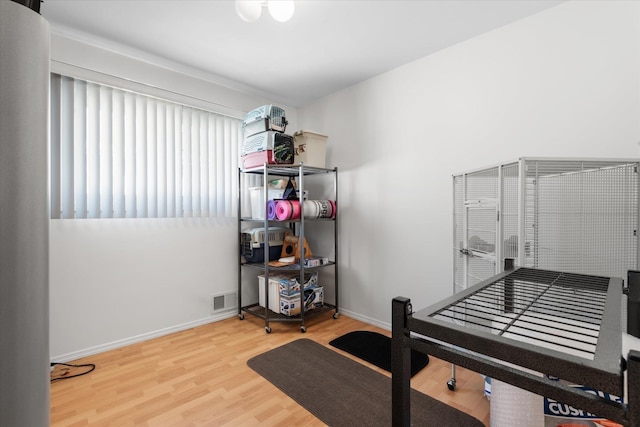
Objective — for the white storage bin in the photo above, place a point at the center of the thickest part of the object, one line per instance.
(258, 204)
(274, 294)
(310, 148)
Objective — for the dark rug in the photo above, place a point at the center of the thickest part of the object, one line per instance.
(342, 392)
(376, 348)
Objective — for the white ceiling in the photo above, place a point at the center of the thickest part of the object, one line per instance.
(327, 45)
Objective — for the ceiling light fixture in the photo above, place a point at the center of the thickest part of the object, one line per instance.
(251, 10)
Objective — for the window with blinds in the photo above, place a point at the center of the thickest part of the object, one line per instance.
(120, 154)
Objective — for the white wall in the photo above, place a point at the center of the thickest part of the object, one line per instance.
(113, 282)
(116, 280)
(565, 82)
(562, 83)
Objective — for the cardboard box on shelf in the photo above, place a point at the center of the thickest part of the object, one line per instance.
(291, 285)
(290, 304)
(315, 261)
(284, 285)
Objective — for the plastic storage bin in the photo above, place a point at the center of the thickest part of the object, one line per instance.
(258, 204)
(310, 148)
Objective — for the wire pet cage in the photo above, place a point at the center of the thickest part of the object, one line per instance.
(572, 215)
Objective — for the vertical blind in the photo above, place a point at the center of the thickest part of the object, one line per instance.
(120, 154)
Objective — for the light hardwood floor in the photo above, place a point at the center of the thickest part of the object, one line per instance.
(200, 377)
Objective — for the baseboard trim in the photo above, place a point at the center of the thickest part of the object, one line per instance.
(365, 319)
(62, 358)
(75, 355)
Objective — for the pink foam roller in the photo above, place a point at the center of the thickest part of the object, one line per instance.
(334, 208)
(287, 209)
(295, 204)
(283, 210)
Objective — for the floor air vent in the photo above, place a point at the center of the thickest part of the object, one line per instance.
(223, 302)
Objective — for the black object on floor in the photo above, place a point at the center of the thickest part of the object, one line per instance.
(376, 348)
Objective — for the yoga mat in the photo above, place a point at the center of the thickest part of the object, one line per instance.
(271, 210)
(319, 209)
(311, 209)
(342, 392)
(287, 209)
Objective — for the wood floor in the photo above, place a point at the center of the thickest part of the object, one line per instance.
(200, 377)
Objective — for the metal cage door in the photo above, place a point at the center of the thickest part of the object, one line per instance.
(477, 228)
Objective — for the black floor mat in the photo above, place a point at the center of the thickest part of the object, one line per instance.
(342, 392)
(376, 348)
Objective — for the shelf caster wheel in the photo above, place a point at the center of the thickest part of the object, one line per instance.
(303, 329)
(451, 384)
(241, 316)
(336, 315)
(268, 329)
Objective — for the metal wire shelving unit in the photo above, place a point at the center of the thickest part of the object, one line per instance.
(299, 226)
